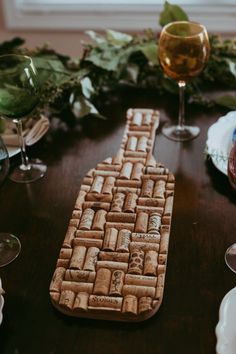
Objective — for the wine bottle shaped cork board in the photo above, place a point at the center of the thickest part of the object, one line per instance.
(112, 263)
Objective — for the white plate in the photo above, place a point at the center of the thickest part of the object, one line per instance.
(219, 140)
(226, 327)
(1, 303)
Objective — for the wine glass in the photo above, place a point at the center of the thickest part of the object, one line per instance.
(19, 95)
(230, 257)
(183, 53)
(9, 244)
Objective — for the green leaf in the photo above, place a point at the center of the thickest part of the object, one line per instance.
(228, 101)
(149, 49)
(96, 37)
(131, 73)
(9, 46)
(118, 38)
(172, 13)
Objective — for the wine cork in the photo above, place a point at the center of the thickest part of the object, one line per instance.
(170, 186)
(96, 205)
(147, 188)
(90, 172)
(137, 118)
(81, 301)
(119, 217)
(150, 161)
(102, 282)
(57, 278)
(106, 173)
(135, 154)
(154, 223)
(91, 259)
(142, 143)
(130, 304)
(141, 222)
(87, 219)
(109, 242)
(147, 118)
(161, 269)
(55, 297)
(159, 293)
(128, 183)
(130, 203)
(85, 188)
(141, 237)
(133, 279)
(78, 256)
(136, 262)
(137, 171)
(95, 197)
(138, 290)
(131, 143)
(76, 214)
(87, 242)
(108, 185)
(149, 209)
(80, 199)
(112, 265)
(64, 263)
(89, 234)
(107, 167)
(74, 222)
(87, 181)
(99, 220)
(159, 189)
(145, 246)
(126, 170)
(77, 287)
(69, 236)
(80, 276)
(67, 299)
(117, 202)
(161, 280)
(166, 220)
(109, 302)
(123, 240)
(152, 202)
(162, 258)
(164, 240)
(65, 253)
(168, 205)
(159, 170)
(117, 159)
(117, 281)
(150, 263)
(97, 184)
(120, 225)
(145, 304)
(134, 160)
(126, 190)
(113, 256)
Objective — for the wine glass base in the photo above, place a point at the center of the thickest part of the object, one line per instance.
(9, 248)
(174, 132)
(37, 169)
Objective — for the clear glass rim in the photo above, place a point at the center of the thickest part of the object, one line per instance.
(201, 27)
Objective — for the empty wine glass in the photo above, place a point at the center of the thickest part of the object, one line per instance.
(19, 95)
(9, 244)
(230, 257)
(183, 53)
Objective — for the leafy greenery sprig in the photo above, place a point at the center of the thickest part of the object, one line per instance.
(117, 58)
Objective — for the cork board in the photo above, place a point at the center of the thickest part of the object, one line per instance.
(112, 263)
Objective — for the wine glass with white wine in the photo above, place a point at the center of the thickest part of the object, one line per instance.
(19, 95)
(183, 53)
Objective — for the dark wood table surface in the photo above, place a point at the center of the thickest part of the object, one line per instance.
(203, 226)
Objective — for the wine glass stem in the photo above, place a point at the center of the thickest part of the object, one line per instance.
(182, 85)
(24, 158)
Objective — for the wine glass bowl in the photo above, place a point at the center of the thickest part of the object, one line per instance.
(19, 95)
(183, 53)
(230, 257)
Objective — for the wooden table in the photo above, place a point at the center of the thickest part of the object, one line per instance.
(203, 226)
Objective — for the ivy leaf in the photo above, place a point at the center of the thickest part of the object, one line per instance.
(228, 101)
(131, 73)
(149, 49)
(10, 46)
(118, 38)
(96, 37)
(172, 13)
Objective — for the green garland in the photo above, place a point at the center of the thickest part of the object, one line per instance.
(117, 58)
